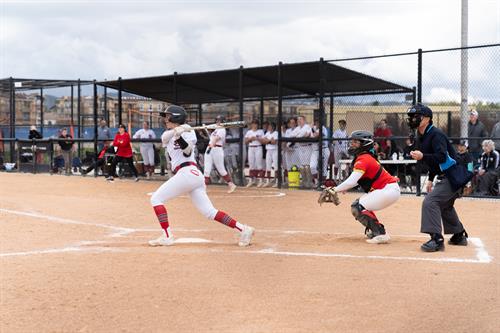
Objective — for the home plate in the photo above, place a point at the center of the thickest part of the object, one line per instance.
(191, 240)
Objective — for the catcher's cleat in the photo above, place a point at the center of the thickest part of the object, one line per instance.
(163, 240)
(246, 236)
(459, 239)
(380, 239)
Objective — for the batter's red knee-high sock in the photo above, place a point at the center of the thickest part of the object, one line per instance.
(161, 214)
(227, 220)
(207, 180)
(227, 178)
(269, 174)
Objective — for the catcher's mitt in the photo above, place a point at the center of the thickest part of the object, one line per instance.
(329, 195)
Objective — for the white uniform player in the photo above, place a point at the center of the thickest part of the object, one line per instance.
(340, 146)
(271, 141)
(214, 155)
(303, 150)
(290, 156)
(180, 141)
(147, 148)
(254, 138)
(315, 152)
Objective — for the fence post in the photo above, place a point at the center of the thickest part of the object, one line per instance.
(279, 174)
(240, 94)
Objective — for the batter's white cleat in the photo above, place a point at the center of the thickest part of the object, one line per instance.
(380, 239)
(163, 240)
(232, 187)
(246, 235)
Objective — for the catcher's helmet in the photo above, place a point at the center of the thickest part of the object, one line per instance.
(177, 114)
(219, 118)
(366, 140)
(416, 113)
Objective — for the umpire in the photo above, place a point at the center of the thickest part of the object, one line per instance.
(433, 147)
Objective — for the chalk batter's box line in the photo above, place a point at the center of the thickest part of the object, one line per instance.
(481, 253)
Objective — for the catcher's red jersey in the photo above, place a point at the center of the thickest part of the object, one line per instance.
(369, 166)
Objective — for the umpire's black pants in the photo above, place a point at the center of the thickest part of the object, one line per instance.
(128, 160)
(437, 206)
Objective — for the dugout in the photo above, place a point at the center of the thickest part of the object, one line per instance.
(316, 80)
(16, 115)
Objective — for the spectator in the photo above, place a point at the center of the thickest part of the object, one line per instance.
(67, 147)
(495, 134)
(463, 155)
(147, 148)
(290, 154)
(103, 133)
(383, 133)
(101, 159)
(381, 155)
(409, 178)
(303, 150)
(410, 145)
(340, 146)
(123, 154)
(315, 151)
(253, 138)
(488, 172)
(271, 140)
(475, 129)
(34, 134)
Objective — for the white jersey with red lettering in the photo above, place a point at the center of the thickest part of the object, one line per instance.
(257, 134)
(175, 152)
(218, 137)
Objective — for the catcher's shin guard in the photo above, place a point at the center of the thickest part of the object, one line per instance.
(368, 219)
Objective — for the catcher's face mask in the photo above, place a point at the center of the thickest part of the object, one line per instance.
(354, 147)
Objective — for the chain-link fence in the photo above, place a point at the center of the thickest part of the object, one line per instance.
(434, 76)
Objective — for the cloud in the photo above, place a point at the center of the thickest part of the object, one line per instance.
(107, 39)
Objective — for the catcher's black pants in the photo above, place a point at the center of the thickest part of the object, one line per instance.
(437, 206)
(128, 160)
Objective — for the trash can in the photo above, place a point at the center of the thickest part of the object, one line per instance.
(294, 177)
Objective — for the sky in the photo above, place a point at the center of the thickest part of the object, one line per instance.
(106, 39)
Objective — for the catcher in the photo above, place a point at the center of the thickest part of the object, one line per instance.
(381, 188)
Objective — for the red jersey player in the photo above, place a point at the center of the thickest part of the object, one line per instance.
(382, 189)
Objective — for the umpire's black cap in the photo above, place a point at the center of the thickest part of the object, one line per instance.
(421, 109)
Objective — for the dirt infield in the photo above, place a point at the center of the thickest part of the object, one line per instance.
(73, 258)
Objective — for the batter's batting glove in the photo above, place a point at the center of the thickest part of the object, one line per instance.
(181, 129)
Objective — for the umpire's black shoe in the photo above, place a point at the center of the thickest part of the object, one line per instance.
(459, 239)
(433, 245)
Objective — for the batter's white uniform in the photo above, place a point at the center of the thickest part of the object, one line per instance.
(147, 149)
(255, 149)
(272, 152)
(188, 179)
(216, 154)
(315, 153)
